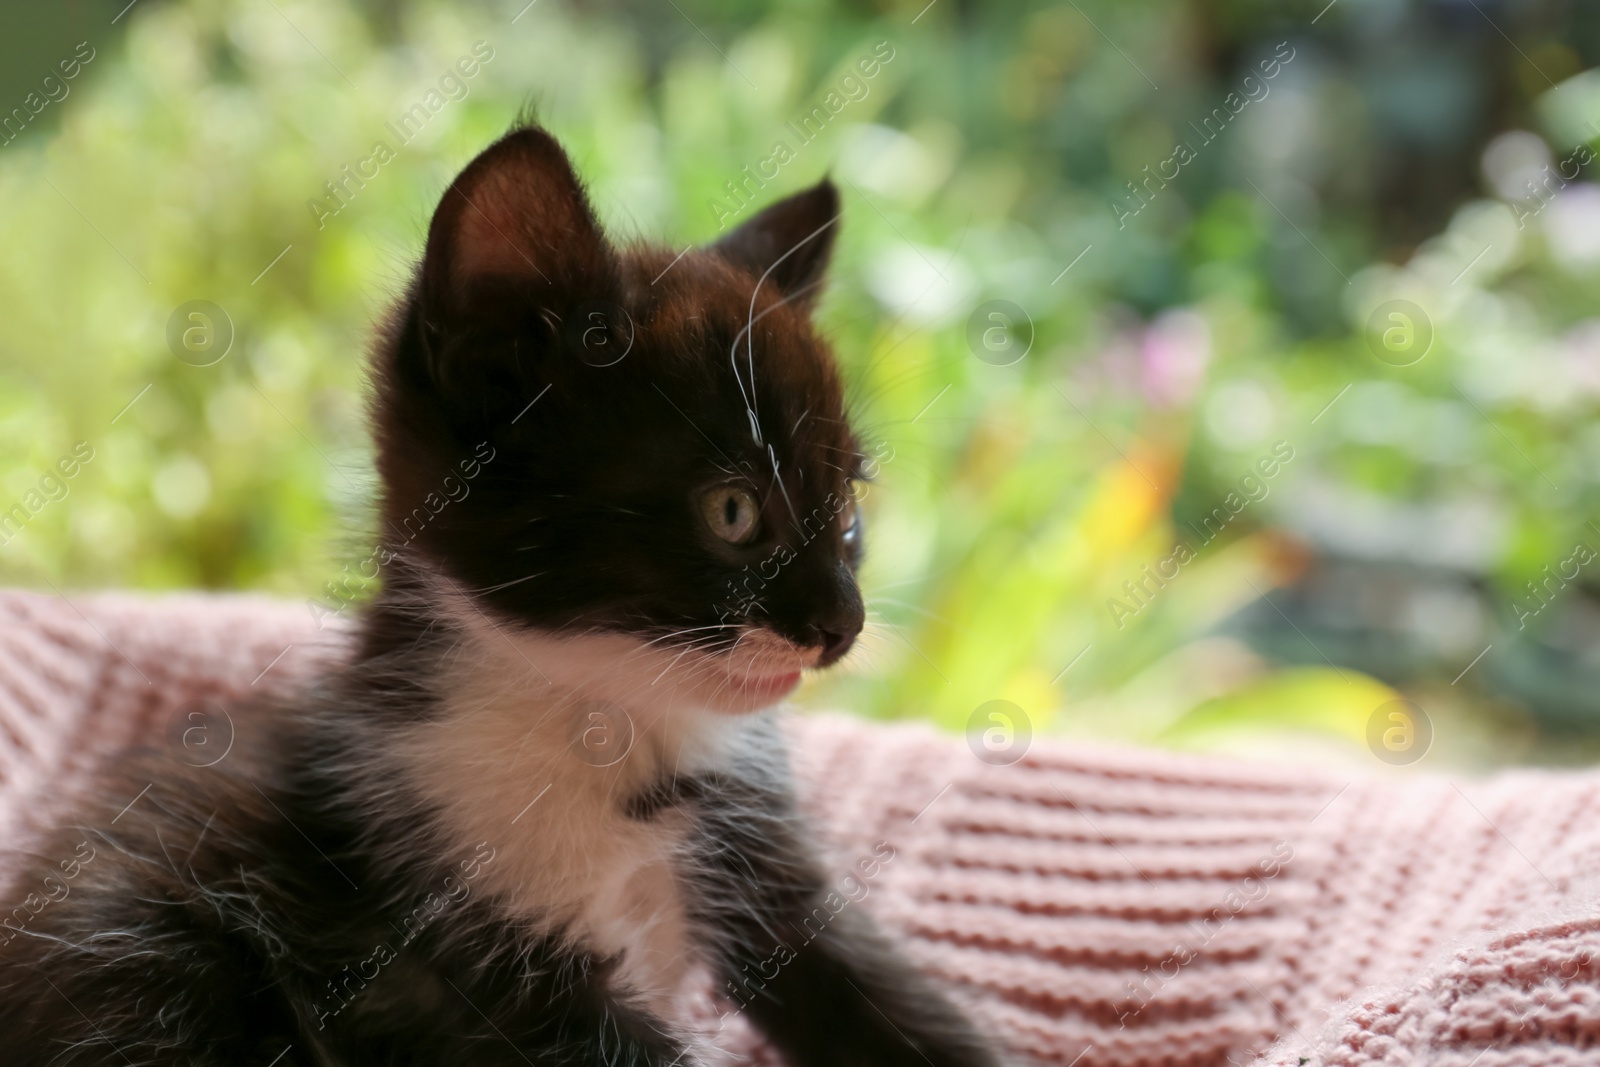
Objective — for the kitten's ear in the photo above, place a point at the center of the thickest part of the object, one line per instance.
(789, 243)
(516, 220)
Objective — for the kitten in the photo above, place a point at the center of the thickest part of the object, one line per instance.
(544, 787)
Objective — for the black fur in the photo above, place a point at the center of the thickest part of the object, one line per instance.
(291, 905)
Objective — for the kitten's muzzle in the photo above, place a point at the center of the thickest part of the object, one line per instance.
(817, 611)
(836, 639)
(836, 628)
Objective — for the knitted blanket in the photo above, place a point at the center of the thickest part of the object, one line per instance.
(1091, 906)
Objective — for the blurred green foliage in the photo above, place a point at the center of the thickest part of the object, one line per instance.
(1185, 328)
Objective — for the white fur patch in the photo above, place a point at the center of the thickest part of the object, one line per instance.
(532, 755)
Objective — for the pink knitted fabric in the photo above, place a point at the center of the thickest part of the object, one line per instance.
(1091, 906)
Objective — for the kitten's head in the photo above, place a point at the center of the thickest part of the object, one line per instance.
(644, 450)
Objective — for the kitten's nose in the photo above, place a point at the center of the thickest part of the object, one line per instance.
(837, 629)
(835, 643)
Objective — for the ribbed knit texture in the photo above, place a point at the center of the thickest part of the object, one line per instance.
(1088, 905)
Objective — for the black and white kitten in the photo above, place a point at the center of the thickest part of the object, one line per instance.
(542, 789)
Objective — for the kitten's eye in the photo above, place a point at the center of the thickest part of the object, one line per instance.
(850, 519)
(731, 513)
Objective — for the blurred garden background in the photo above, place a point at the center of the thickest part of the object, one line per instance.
(1232, 364)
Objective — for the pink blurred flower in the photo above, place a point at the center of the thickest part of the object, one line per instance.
(1175, 350)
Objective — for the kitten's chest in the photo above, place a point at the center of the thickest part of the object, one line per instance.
(552, 782)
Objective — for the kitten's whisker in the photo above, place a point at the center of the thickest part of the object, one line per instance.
(671, 665)
(912, 608)
(507, 585)
(679, 633)
(671, 641)
(749, 329)
(781, 487)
